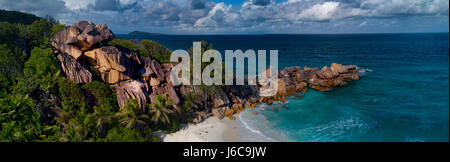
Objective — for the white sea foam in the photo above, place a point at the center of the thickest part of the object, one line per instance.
(249, 128)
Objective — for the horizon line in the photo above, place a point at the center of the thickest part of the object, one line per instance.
(166, 34)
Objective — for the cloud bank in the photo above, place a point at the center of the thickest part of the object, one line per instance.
(250, 16)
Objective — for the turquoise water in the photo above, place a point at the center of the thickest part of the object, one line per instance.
(405, 98)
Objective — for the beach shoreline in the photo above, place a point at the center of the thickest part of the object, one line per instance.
(210, 130)
(215, 130)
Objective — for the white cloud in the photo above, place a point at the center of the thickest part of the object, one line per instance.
(212, 16)
(320, 12)
(78, 4)
(388, 8)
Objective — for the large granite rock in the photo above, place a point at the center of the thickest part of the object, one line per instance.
(132, 89)
(219, 98)
(334, 76)
(73, 69)
(80, 37)
(218, 113)
(65, 41)
(172, 94)
(113, 65)
(92, 34)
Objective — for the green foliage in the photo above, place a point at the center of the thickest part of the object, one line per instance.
(154, 50)
(21, 122)
(105, 104)
(120, 134)
(72, 98)
(102, 93)
(80, 121)
(131, 116)
(159, 110)
(41, 62)
(189, 101)
(37, 104)
(174, 125)
(7, 33)
(38, 33)
(42, 66)
(17, 17)
(117, 42)
(56, 28)
(11, 66)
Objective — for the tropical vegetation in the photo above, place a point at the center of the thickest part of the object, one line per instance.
(38, 103)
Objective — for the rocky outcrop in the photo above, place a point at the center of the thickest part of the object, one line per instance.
(73, 70)
(80, 37)
(132, 89)
(172, 94)
(157, 77)
(144, 78)
(114, 66)
(290, 81)
(65, 41)
(220, 98)
(218, 113)
(335, 76)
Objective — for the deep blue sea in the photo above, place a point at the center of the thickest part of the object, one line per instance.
(405, 98)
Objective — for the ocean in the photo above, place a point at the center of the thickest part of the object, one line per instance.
(404, 99)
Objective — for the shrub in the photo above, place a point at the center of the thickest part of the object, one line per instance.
(20, 122)
(120, 134)
(102, 92)
(11, 66)
(154, 50)
(117, 42)
(42, 66)
(72, 98)
(38, 34)
(56, 28)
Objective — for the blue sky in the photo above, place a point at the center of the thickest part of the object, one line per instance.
(247, 16)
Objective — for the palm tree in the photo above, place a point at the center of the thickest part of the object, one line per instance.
(131, 115)
(159, 110)
(103, 115)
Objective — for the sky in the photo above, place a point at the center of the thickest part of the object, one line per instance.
(247, 16)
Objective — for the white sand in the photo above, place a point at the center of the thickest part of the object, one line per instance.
(210, 130)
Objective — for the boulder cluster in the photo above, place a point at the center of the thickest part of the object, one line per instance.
(290, 81)
(143, 78)
(132, 76)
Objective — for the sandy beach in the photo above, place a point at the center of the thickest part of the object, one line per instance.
(210, 130)
(215, 130)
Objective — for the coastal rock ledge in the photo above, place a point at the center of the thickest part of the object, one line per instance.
(143, 78)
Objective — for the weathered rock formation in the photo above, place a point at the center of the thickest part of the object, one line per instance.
(290, 81)
(73, 69)
(132, 89)
(143, 78)
(80, 37)
(114, 66)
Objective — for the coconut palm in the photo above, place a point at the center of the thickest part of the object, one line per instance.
(103, 116)
(159, 110)
(131, 115)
